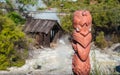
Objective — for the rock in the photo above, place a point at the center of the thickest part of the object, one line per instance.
(117, 49)
(117, 68)
(29, 73)
(37, 67)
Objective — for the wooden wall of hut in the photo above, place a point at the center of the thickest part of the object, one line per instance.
(46, 41)
(60, 33)
(56, 37)
(37, 39)
(41, 38)
(44, 31)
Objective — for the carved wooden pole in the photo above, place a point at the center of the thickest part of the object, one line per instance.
(82, 22)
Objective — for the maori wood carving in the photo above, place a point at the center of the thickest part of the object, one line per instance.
(82, 22)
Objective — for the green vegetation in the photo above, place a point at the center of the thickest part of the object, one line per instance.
(10, 36)
(25, 2)
(100, 40)
(66, 23)
(105, 14)
(13, 43)
(10, 7)
(16, 18)
(41, 8)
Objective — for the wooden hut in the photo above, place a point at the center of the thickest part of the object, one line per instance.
(46, 31)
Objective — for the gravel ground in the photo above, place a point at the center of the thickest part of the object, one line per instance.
(58, 60)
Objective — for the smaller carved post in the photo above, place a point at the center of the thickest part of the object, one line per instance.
(82, 22)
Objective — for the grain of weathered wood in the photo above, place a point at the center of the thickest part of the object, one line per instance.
(43, 28)
(40, 25)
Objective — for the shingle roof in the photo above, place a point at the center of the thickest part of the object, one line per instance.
(40, 25)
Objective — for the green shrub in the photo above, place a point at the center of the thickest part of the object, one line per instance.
(103, 17)
(9, 35)
(16, 18)
(42, 8)
(67, 23)
(115, 38)
(100, 40)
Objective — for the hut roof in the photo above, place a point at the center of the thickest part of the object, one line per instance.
(40, 25)
(50, 14)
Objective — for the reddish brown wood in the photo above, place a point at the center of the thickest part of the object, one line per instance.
(82, 21)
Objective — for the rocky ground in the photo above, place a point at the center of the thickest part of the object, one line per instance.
(57, 61)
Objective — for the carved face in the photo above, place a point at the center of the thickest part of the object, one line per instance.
(82, 22)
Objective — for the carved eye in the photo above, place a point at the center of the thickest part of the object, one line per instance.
(77, 29)
(84, 13)
(89, 29)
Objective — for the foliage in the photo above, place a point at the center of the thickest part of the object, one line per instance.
(16, 18)
(25, 2)
(13, 44)
(42, 8)
(100, 40)
(115, 38)
(96, 65)
(67, 23)
(9, 5)
(99, 69)
(87, 1)
(9, 35)
(102, 11)
(105, 14)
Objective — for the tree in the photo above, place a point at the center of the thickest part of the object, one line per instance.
(17, 18)
(10, 7)
(100, 40)
(105, 15)
(13, 45)
(10, 34)
(25, 2)
(67, 23)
